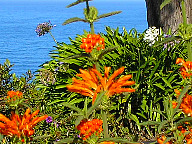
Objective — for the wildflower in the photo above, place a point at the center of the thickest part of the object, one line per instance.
(49, 119)
(187, 132)
(12, 95)
(57, 140)
(87, 128)
(92, 41)
(162, 139)
(93, 82)
(57, 124)
(44, 28)
(47, 77)
(20, 127)
(186, 69)
(151, 35)
(186, 104)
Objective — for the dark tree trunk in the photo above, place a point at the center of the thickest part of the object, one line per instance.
(170, 16)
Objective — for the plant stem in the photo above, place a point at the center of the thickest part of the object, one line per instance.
(87, 5)
(184, 13)
(92, 28)
(105, 125)
(97, 66)
(53, 37)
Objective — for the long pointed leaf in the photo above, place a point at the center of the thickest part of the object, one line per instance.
(184, 91)
(105, 51)
(41, 137)
(78, 56)
(77, 2)
(75, 19)
(96, 103)
(108, 14)
(68, 140)
(186, 119)
(149, 123)
(162, 124)
(166, 2)
(71, 107)
(118, 140)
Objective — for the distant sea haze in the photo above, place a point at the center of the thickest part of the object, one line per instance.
(20, 44)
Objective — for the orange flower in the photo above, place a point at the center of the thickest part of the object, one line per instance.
(186, 104)
(87, 128)
(162, 139)
(93, 82)
(189, 141)
(184, 131)
(12, 95)
(20, 126)
(186, 70)
(92, 41)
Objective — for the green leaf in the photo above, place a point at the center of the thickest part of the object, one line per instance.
(67, 105)
(68, 140)
(154, 70)
(167, 40)
(75, 19)
(164, 4)
(162, 124)
(55, 101)
(105, 51)
(77, 2)
(186, 119)
(149, 123)
(78, 56)
(134, 118)
(108, 14)
(159, 85)
(96, 103)
(182, 94)
(79, 119)
(168, 83)
(41, 137)
(117, 140)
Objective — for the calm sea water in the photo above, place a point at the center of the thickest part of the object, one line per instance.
(18, 20)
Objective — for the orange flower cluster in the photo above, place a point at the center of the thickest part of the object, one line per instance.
(93, 83)
(87, 128)
(20, 126)
(188, 137)
(92, 41)
(12, 95)
(186, 69)
(186, 104)
(162, 139)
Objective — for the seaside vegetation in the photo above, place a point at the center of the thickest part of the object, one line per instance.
(105, 88)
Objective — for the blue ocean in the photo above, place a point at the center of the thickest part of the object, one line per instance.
(27, 51)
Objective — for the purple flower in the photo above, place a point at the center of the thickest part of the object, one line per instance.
(44, 28)
(61, 63)
(57, 124)
(167, 36)
(49, 119)
(57, 140)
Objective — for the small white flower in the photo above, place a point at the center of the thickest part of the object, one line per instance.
(151, 35)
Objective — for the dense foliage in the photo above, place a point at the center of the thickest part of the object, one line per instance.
(115, 87)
